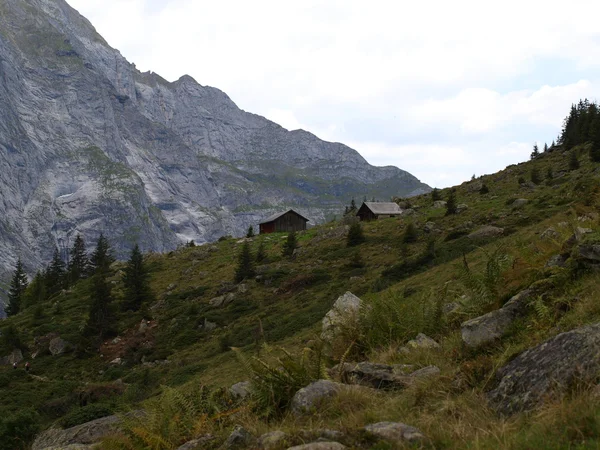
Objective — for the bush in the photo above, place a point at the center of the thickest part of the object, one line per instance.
(290, 244)
(410, 234)
(18, 430)
(85, 414)
(484, 189)
(355, 235)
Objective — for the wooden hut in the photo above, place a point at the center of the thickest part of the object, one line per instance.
(378, 210)
(283, 222)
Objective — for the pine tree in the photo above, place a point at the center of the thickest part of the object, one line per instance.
(55, 275)
(451, 203)
(536, 152)
(573, 161)
(535, 176)
(36, 291)
(137, 287)
(261, 254)
(101, 316)
(245, 268)
(102, 256)
(11, 338)
(435, 195)
(355, 235)
(410, 234)
(549, 173)
(290, 244)
(545, 147)
(250, 232)
(78, 261)
(18, 285)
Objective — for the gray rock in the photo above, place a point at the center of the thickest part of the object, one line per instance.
(426, 372)
(439, 204)
(208, 325)
(449, 308)
(429, 227)
(58, 346)
(309, 398)
(377, 376)
(15, 357)
(197, 444)
(239, 439)
(319, 446)
(487, 231)
(550, 233)
(345, 312)
(462, 207)
(240, 390)
(394, 432)
(548, 369)
(272, 440)
(556, 261)
(474, 186)
(590, 252)
(217, 302)
(485, 329)
(519, 203)
(422, 341)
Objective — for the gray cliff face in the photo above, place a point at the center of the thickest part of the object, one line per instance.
(89, 144)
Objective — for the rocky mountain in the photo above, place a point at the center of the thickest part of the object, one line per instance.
(89, 144)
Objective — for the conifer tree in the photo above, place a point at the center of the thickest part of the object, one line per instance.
(36, 291)
(535, 176)
(536, 152)
(136, 281)
(261, 255)
(101, 316)
(290, 244)
(410, 234)
(549, 173)
(245, 268)
(435, 195)
(484, 189)
(573, 161)
(18, 285)
(451, 203)
(11, 338)
(545, 147)
(55, 274)
(250, 232)
(355, 235)
(102, 256)
(78, 262)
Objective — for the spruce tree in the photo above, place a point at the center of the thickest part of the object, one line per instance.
(101, 316)
(435, 195)
(245, 268)
(55, 274)
(484, 189)
(250, 232)
(261, 255)
(545, 147)
(18, 285)
(536, 152)
(102, 256)
(451, 203)
(78, 261)
(290, 244)
(535, 176)
(36, 291)
(410, 234)
(137, 287)
(549, 173)
(355, 235)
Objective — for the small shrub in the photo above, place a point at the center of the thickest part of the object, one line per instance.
(355, 235)
(535, 176)
(18, 430)
(250, 232)
(356, 260)
(484, 189)
(573, 161)
(451, 204)
(410, 234)
(290, 244)
(85, 414)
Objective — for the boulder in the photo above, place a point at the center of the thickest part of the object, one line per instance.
(84, 434)
(429, 227)
(377, 376)
(556, 261)
(345, 312)
(240, 390)
(426, 372)
(222, 300)
(310, 397)
(439, 204)
(208, 325)
(590, 253)
(58, 346)
(394, 432)
(548, 369)
(319, 446)
(485, 329)
(239, 438)
(15, 357)
(474, 186)
(422, 341)
(272, 440)
(199, 443)
(519, 203)
(487, 231)
(550, 233)
(461, 208)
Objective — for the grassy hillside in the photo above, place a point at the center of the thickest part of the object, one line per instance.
(408, 286)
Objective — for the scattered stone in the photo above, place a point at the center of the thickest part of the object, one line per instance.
(171, 287)
(590, 253)
(556, 261)
(307, 399)
(239, 438)
(519, 203)
(425, 372)
(408, 212)
(242, 288)
(321, 435)
(550, 368)
(493, 325)
(461, 208)
(222, 300)
(429, 227)
(117, 361)
(394, 432)
(474, 186)
(422, 341)
(449, 308)
(208, 325)
(487, 231)
(143, 326)
(345, 312)
(439, 204)
(377, 376)
(197, 443)
(272, 440)
(550, 233)
(580, 232)
(116, 340)
(58, 346)
(319, 446)
(240, 390)
(15, 357)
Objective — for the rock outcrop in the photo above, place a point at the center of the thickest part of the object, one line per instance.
(394, 432)
(344, 313)
(550, 368)
(307, 399)
(85, 434)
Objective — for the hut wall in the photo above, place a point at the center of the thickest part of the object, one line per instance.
(290, 222)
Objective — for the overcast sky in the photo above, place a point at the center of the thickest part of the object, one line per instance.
(443, 89)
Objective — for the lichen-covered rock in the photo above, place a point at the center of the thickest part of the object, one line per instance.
(493, 325)
(309, 398)
(422, 341)
(394, 432)
(377, 376)
(272, 440)
(58, 346)
(556, 261)
(549, 368)
(197, 444)
(84, 434)
(240, 390)
(550, 233)
(344, 313)
(426, 372)
(16, 356)
(519, 203)
(319, 446)
(439, 204)
(239, 438)
(487, 231)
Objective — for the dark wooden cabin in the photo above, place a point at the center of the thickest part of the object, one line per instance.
(378, 210)
(283, 222)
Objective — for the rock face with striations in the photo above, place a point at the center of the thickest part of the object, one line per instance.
(89, 144)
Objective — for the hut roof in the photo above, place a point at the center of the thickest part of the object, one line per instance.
(383, 207)
(278, 215)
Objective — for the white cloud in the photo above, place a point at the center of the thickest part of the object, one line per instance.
(464, 78)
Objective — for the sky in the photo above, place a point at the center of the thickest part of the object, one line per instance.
(444, 90)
